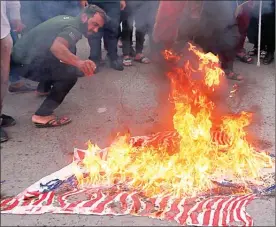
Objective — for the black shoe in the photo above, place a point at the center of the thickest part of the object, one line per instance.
(117, 65)
(4, 136)
(268, 58)
(7, 121)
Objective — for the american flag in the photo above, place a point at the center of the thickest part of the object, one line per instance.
(66, 198)
(213, 211)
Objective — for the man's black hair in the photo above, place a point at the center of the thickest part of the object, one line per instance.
(91, 10)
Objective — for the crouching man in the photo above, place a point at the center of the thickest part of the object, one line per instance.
(47, 54)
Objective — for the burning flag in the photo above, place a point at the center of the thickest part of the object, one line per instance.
(202, 148)
(203, 173)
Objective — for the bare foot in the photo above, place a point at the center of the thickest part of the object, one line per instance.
(42, 119)
(142, 59)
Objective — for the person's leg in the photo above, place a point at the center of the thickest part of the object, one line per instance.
(243, 22)
(126, 36)
(226, 45)
(252, 34)
(142, 27)
(269, 36)
(63, 78)
(44, 87)
(17, 85)
(111, 34)
(6, 46)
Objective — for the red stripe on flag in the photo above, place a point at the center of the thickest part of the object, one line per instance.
(12, 205)
(207, 212)
(136, 204)
(173, 211)
(149, 206)
(41, 199)
(5, 202)
(101, 206)
(123, 202)
(233, 209)
(50, 199)
(99, 195)
(188, 206)
(218, 211)
(195, 210)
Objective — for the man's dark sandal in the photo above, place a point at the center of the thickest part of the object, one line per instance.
(7, 121)
(56, 122)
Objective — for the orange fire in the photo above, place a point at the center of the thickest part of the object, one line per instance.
(197, 159)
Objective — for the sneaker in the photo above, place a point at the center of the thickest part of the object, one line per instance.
(20, 88)
(4, 136)
(7, 121)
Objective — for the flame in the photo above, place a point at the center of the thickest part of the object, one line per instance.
(197, 159)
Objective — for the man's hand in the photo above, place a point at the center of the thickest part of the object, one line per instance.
(87, 67)
(123, 4)
(17, 25)
(83, 3)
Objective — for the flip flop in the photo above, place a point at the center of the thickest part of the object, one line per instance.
(127, 62)
(56, 122)
(245, 58)
(143, 60)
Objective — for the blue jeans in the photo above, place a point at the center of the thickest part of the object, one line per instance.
(109, 32)
(14, 76)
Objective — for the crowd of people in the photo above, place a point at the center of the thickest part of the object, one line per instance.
(38, 42)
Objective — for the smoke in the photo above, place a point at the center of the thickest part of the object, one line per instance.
(268, 6)
(36, 12)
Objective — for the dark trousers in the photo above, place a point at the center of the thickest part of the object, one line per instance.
(243, 21)
(109, 32)
(268, 31)
(127, 18)
(50, 73)
(222, 43)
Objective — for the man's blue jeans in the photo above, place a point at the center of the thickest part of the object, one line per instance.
(14, 77)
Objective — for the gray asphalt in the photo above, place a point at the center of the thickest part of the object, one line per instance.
(134, 99)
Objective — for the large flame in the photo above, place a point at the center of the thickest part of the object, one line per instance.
(196, 159)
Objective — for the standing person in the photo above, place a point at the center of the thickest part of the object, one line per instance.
(268, 36)
(47, 55)
(13, 9)
(267, 32)
(109, 33)
(137, 11)
(242, 15)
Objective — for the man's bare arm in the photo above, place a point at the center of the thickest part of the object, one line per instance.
(60, 49)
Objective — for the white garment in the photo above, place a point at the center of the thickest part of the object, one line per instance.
(9, 9)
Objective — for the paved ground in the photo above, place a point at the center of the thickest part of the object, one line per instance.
(132, 99)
